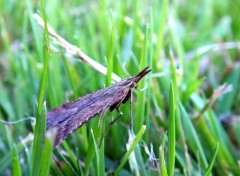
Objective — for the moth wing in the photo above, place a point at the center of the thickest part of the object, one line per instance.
(67, 110)
(81, 117)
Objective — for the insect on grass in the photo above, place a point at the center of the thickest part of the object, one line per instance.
(72, 115)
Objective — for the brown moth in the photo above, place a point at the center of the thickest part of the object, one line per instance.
(72, 115)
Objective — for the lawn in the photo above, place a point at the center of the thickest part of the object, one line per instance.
(185, 113)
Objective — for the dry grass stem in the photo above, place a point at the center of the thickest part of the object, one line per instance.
(74, 50)
(223, 89)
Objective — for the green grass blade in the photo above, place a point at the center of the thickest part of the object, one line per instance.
(35, 30)
(130, 150)
(209, 169)
(91, 149)
(111, 60)
(68, 164)
(5, 102)
(38, 142)
(101, 160)
(163, 167)
(161, 30)
(41, 109)
(71, 155)
(212, 131)
(171, 133)
(226, 102)
(6, 160)
(175, 36)
(192, 137)
(97, 154)
(16, 163)
(138, 122)
(110, 57)
(47, 153)
(174, 78)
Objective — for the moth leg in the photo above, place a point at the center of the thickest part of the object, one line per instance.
(140, 90)
(131, 115)
(111, 124)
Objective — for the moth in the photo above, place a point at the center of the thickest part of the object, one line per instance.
(72, 115)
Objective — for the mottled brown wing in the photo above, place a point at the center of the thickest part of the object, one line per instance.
(80, 117)
(62, 113)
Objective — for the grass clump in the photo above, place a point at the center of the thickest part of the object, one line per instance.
(185, 117)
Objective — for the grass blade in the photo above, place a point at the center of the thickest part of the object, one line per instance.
(171, 133)
(47, 153)
(131, 148)
(41, 109)
(97, 153)
(138, 122)
(163, 170)
(16, 163)
(192, 137)
(38, 142)
(91, 149)
(208, 172)
(161, 30)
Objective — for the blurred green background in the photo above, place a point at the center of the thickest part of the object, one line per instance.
(182, 126)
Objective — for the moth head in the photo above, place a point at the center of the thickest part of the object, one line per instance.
(140, 75)
(133, 81)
